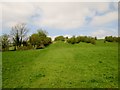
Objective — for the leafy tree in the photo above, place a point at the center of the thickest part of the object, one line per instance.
(42, 33)
(35, 40)
(40, 39)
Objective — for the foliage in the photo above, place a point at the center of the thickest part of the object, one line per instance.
(112, 39)
(35, 39)
(79, 39)
(72, 40)
(40, 39)
(5, 42)
(42, 33)
(59, 38)
(95, 38)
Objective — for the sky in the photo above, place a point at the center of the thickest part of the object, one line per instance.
(98, 19)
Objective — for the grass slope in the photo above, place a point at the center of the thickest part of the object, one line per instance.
(62, 65)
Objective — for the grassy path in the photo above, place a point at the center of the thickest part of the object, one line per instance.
(62, 65)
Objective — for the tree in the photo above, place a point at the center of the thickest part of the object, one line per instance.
(5, 41)
(40, 39)
(95, 38)
(18, 33)
(42, 33)
(35, 40)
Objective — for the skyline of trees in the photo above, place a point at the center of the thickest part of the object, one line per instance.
(38, 40)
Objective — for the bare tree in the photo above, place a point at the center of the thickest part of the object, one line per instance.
(18, 33)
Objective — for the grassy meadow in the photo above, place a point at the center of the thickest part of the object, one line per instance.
(62, 65)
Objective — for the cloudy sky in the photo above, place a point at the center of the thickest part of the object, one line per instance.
(63, 18)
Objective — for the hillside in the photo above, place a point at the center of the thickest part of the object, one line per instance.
(62, 65)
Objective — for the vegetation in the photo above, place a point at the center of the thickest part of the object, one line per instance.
(18, 33)
(62, 65)
(72, 40)
(40, 39)
(4, 39)
(79, 39)
(18, 40)
(59, 38)
(112, 39)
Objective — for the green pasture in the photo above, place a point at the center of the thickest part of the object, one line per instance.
(62, 65)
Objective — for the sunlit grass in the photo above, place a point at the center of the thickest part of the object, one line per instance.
(62, 65)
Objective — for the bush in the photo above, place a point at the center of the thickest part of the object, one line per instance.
(88, 40)
(40, 46)
(112, 39)
(59, 38)
(47, 41)
(24, 47)
(72, 40)
(93, 41)
(79, 39)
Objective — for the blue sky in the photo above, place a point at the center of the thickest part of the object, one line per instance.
(63, 18)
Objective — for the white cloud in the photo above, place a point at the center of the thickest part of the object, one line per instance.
(104, 19)
(104, 32)
(69, 15)
(0, 18)
(62, 15)
(14, 13)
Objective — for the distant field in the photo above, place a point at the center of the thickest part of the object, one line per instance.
(62, 65)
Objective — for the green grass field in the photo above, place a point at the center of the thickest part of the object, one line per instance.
(62, 65)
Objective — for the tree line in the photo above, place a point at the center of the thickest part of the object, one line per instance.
(18, 39)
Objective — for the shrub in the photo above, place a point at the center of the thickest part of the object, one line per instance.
(78, 39)
(72, 40)
(112, 39)
(93, 41)
(88, 40)
(24, 47)
(59, 38)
